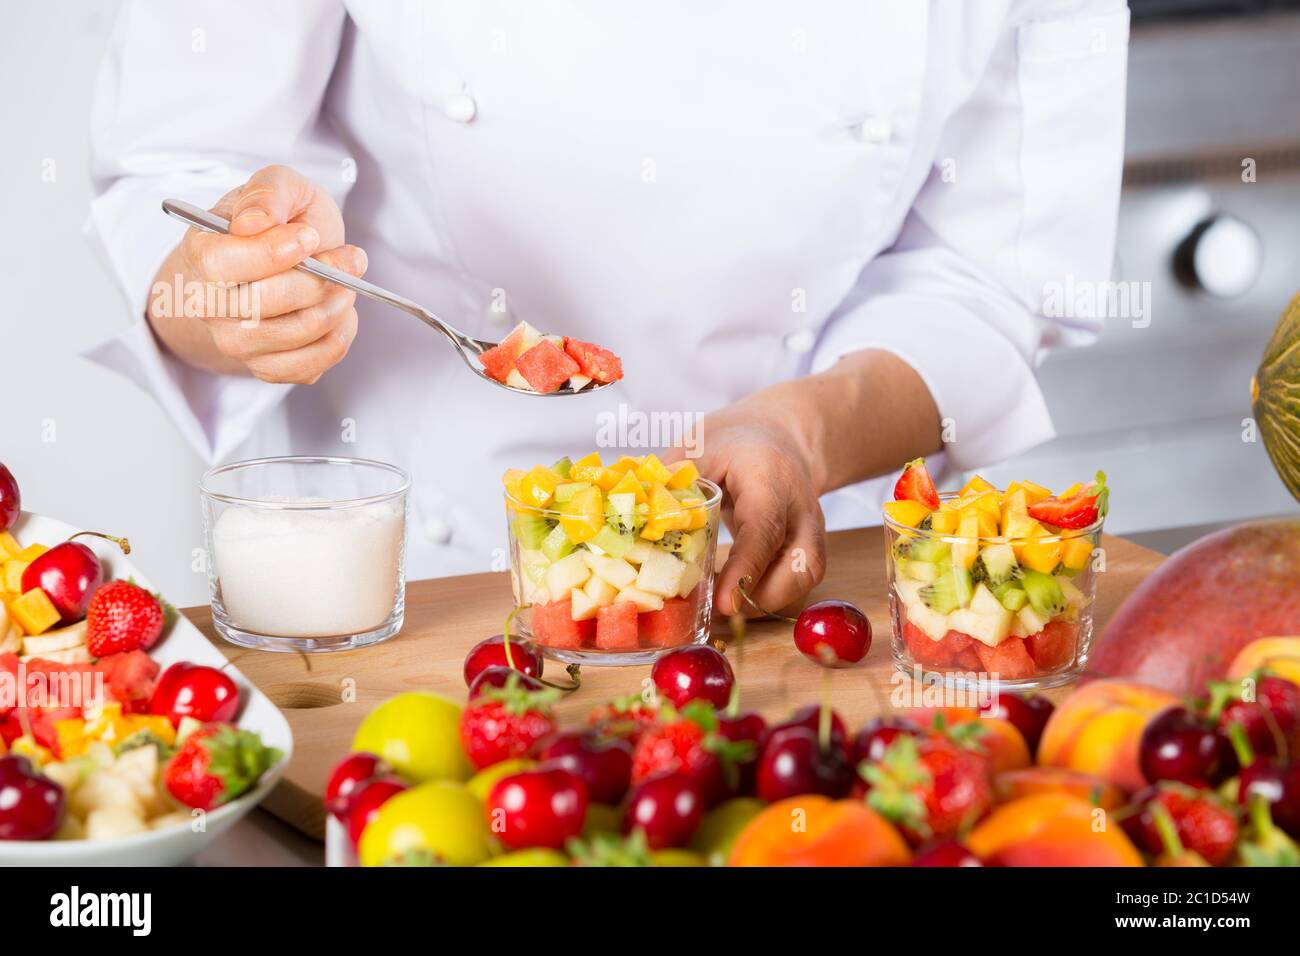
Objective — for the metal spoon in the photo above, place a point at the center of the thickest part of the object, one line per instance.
(468, 348)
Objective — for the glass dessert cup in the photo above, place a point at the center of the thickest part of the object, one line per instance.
(305, 553)
(991, 612)
(614, 597)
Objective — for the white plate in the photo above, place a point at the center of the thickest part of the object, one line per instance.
(184, 642)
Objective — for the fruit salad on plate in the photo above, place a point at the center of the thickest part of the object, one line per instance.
(535, 362)
(993, 581)
(95, 742)
(612, 562)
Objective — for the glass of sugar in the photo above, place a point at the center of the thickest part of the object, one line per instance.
(305, 553)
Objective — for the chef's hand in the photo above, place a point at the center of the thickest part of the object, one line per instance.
(777, 451)
(300, 325)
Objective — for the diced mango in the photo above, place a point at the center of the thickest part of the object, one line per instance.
(31, 552)
(944, 521)
(13, 575)
(9, 546)
(538, 486)
(628, 485)
(626, 464)
(587, 468)
(975, 485)
(653, 471)
(1070, 492)
(666, 513)
(583, 515)
(907, 513)
(34, 611)
(1037, 554)
(684, 473)
(608, 479)
(1015, 511)
(1035, 493)
(968, 528)
(1075, 552)
(511, 480)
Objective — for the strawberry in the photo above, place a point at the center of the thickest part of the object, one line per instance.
(1271, 720)
(915, 484)
(1078, 511)
(624, 717)
(931, 787)
(123, 616)
(688, 742)
(1204, 823)
(215, 764)
(506, 722)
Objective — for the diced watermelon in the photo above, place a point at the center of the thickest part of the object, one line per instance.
(673, 624)
(969, 659)
(64, 690)
(43, 731)
(616, 627)
(130, 678)
(9, 698)
(1009, 660)
(595, 362)
(554, 626)
(924, 651)
(545, 367)
(10, 730)
(1054, 646)
(498, 361)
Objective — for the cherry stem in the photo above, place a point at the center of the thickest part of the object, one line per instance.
(1241, 744)
(122, 543)
(824, 717)
(742, 586)
(573, 670)
(505, 638)
(737, 622)
(1165, 826)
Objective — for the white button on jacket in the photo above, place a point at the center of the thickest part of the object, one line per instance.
(684, 183)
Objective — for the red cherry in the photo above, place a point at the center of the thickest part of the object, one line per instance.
(1270, 719)
(877, 734)
(1179, 745)
(349, 775)
(544, 807)
(11, 501)
(697, 672)
(794, 762)
(946, 853)
(1279, 785)
(667, 807)
(31, 805)
(603, 763)
(491, 652)
(749, 727)
(1205, 825)
(497, 677)
(810, 717)
(195, 690)
(69, 573)
(833, 633)
(1028, 714)
(366, 801)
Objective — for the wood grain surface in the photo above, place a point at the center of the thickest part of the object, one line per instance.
(325, 696)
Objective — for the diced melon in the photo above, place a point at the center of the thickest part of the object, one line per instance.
(566, 574)
(990, 629)
(691, 576)
(515, 380)
(922, 571)
(661, 573)
(643, 600)
(579, 382)
(984, 602)
(1073, 596)
(581, 606)
(616, 571)
(600, 591)
(909, 590)
(640, 551)
(1031, 620)
(931, 623)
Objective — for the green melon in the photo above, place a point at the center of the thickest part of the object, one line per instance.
(1275, 398)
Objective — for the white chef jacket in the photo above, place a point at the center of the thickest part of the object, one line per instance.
(727, 194)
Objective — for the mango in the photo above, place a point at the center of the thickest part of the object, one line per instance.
(34, 612)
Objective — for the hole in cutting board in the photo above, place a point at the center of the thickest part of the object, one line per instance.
(299, 695)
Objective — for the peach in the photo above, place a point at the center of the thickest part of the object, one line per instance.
(1034, 780)
(812, 830)
(1281, 655)
(1096, 730)
(1051, 829)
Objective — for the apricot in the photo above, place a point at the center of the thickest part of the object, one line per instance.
(1097, 729)
(1051, 829)
(1280, 655)
(812, 830)
(1030, 781)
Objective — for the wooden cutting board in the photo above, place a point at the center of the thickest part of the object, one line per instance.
(325, 696)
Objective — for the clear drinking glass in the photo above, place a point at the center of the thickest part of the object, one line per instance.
(632, 606)
(953, 617)
(305, 553)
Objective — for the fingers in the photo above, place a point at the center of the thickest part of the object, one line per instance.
(295, 330)
(289, 291)
(216, 258)
(303, 366)
(759, 517)
(799, 565)
(272, 196)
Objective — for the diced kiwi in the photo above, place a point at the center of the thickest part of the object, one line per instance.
(562, 467)
(531, 530)
(687, 545)
(1010, 596)
(1044, 592)
(566, 491)
(622, 515)
(613, 542)
(950, 590)
(929, 549)
(999, 562)
(557, 544)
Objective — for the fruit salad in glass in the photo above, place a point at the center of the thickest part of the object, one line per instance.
(611, 564)
(990, 584)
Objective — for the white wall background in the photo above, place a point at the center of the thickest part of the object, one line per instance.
(86, 445)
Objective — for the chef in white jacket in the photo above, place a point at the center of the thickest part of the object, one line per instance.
(829, 226)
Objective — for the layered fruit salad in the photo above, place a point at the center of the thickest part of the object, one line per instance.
(612, 558)
(997, 581)
(529, 360)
